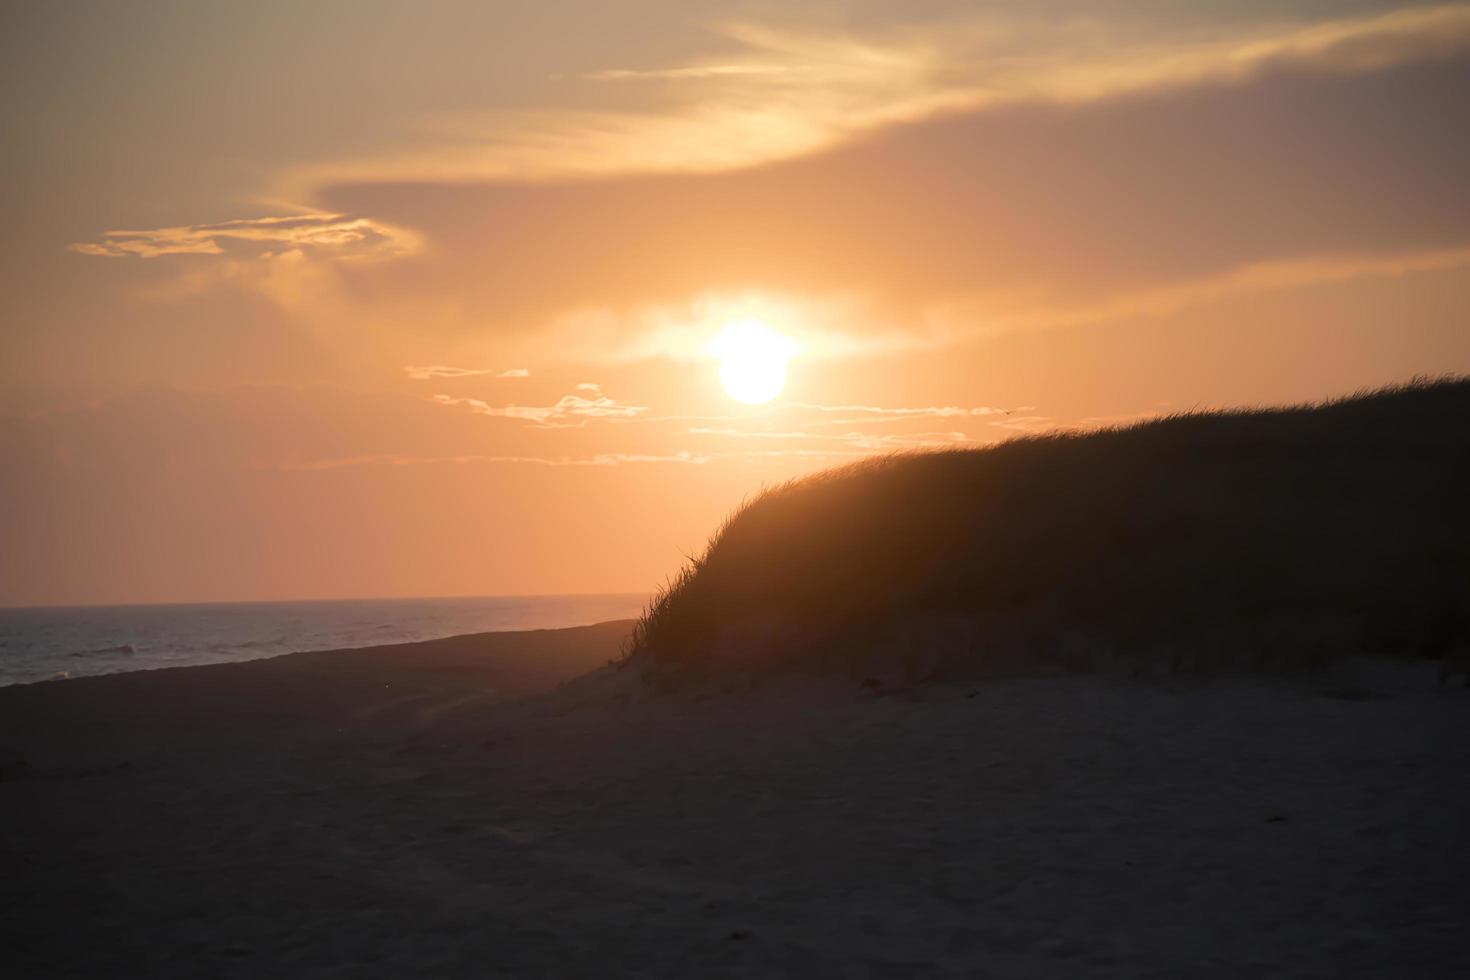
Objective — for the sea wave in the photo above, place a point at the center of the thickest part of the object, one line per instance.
(39, 644)
(124, 649)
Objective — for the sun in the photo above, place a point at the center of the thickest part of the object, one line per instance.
(753, 358)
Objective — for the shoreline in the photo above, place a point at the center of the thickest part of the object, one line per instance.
(47, 644)
(431, 648)
(291, 694)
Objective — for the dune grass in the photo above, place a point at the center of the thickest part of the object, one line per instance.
(1260, 538)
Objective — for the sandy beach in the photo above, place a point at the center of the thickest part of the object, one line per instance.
(444, 809)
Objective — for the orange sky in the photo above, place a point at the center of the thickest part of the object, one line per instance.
(368, 299)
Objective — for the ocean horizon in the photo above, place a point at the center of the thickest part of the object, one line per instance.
(39, 643)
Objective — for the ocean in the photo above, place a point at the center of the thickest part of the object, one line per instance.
(57, 643)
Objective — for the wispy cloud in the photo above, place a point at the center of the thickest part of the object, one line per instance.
(778, 90)
(794, 413)
(856, 440)
(338, 235)
(443, 371)
(1161, 300)
(569, 410)
(577, 410)
(789, 89)
(680, 330)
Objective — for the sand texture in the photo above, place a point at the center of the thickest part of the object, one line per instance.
(410, 812)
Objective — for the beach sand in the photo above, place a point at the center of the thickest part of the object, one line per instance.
(444, 810)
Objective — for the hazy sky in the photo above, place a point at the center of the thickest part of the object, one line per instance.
(362, 299)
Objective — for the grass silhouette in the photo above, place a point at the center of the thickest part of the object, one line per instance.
(1256, 539)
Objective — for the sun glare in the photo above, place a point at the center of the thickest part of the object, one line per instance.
(753, 359)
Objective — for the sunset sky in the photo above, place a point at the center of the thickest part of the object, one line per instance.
(309, 300)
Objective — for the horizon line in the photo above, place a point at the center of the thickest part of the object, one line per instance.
(280, 602)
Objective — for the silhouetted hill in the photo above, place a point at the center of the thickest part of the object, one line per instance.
(1252, 538)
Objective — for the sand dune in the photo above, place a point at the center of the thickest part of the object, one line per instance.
(423, 811)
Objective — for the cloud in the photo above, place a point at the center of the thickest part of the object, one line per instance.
(442, 371)
(978, 223)
(575, 410)
(806, 428)
(336, 235)
(1087, 173)
(785, 89)
(570, 410)
(681, 330)
(303, 264)
(865, 441)
(1256, 277)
